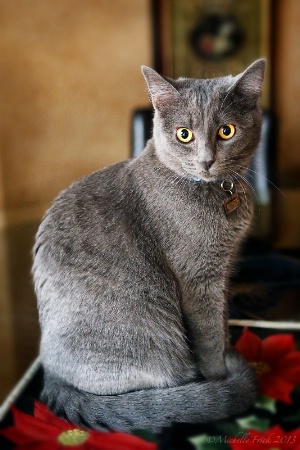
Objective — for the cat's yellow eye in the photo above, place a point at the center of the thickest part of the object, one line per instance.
(184, 135)
(227, 131)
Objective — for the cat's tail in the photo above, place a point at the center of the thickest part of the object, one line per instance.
(152, 409)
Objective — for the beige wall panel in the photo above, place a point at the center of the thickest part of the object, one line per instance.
(70, 77)
(287, 111)
(19, 240)
(8, 372)
(287, 88)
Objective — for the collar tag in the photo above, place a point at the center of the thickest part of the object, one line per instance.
(232, 202)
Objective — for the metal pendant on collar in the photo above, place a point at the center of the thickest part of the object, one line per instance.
(232, 202)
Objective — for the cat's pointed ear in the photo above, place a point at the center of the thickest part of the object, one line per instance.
(161, 91)
(249, 83)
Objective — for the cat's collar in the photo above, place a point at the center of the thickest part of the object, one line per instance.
(226, 184)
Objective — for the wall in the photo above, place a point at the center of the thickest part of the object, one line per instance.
(70, 78)
(286, 34)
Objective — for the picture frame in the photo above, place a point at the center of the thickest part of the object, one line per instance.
(176, 23)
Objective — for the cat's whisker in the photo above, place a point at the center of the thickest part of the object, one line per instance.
(229, 106)
(246, 181)
(225, 98)
(174, 178)
(267, 179)
(239, 176)
(171, 177)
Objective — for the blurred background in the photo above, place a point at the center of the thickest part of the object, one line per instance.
(70, 83)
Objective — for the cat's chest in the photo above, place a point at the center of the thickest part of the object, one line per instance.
(202, 223)
(206, 208)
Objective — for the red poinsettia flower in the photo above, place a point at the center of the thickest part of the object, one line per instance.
(276, 361)
(45, 431)
(275, 438)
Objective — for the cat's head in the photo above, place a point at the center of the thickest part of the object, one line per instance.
(205, 129)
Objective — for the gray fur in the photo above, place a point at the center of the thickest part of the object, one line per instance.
(159, 407)
(132, 264)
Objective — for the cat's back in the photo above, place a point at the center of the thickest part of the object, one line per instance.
(95, 193)
(84, 213)
(78, 238)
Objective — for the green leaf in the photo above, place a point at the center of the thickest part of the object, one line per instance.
(207, 442)
(267, 403)
(230, 428)
(145, 434)
(254, 422)
(295, 417)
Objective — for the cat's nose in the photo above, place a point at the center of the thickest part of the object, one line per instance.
(207, 164)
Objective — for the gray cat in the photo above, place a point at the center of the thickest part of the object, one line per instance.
(132, 264)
